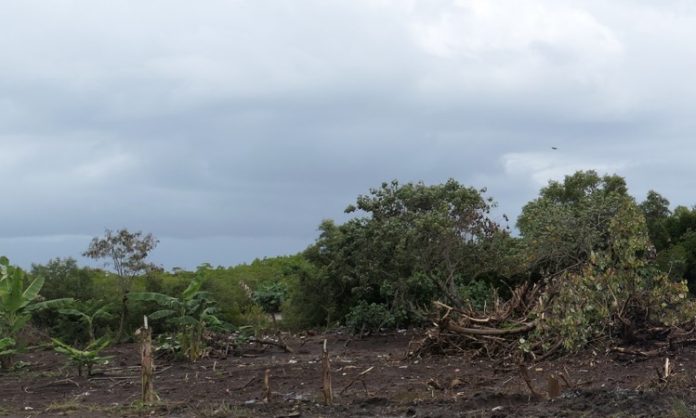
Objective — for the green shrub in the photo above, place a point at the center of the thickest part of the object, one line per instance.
(477, 293)
(371, 317)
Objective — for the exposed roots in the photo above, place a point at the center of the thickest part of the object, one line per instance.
(491, 332)
(502, 331)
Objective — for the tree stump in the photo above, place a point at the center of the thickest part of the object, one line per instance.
(148, 365)
(326, 376)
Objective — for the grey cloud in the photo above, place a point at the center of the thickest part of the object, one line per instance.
(231, 129)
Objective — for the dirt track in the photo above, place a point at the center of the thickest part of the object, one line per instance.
(601, 385)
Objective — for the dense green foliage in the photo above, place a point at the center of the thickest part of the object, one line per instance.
(270, 297)
(19, 297)
(609, 263)
(590, 240)
(189, 315)
(88, 313)
(674, 237)
(414, 244)
(569, 221)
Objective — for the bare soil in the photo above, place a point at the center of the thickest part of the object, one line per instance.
(594, 384)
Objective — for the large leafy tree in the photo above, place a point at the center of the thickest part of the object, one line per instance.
(126, 253)
(64, 278)
(412, 244)
(674, 236)
(656, 211)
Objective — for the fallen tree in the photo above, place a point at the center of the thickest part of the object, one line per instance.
(566, 313)
(595, 281)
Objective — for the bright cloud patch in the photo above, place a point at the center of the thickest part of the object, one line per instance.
(540, 167)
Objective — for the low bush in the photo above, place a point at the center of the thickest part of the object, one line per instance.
(366, 318)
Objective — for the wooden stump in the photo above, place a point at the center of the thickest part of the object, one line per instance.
(326, 376)
(148, 365)
(267, 386)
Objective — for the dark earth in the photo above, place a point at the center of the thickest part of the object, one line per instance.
(593, 384)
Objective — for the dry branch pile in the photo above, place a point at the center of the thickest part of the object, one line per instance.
(490, 331)
(567, 312)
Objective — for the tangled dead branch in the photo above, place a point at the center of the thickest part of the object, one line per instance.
(489, 331)
(538, 321)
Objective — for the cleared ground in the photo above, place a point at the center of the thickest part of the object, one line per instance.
(596, 384)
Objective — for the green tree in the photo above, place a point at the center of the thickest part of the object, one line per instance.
(675, 241)
(656, 211)
(64, 279)
(271, 297)
(126, 253)
(414, 243)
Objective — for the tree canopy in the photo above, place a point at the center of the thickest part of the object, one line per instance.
(412, 244)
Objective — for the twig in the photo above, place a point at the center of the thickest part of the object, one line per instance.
(252, 380)
(278, 344)
(627, 351)
(356, 378)
(527, 380)
(549, 353)
(565, 380)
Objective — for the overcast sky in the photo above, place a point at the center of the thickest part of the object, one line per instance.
(230, 129)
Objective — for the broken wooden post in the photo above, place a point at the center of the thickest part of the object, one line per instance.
(148, 364)
(267, 386)
(554, 387)
(326, 375)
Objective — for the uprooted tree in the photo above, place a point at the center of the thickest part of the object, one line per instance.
(592, 278)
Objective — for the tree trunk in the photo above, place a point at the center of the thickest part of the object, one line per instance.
(124, 315)
(148, 365)
(327, 388)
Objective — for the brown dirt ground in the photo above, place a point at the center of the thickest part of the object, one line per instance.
(599, 384)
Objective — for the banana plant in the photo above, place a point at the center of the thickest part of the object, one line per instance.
(18, 302)
(85, 358)
(191, 314)
(7, 346)
(88, 313)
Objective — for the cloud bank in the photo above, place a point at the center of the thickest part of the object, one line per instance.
(230, 129)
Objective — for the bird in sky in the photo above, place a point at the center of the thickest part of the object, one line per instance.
(554, 148)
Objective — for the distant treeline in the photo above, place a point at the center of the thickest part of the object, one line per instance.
(406, 246)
